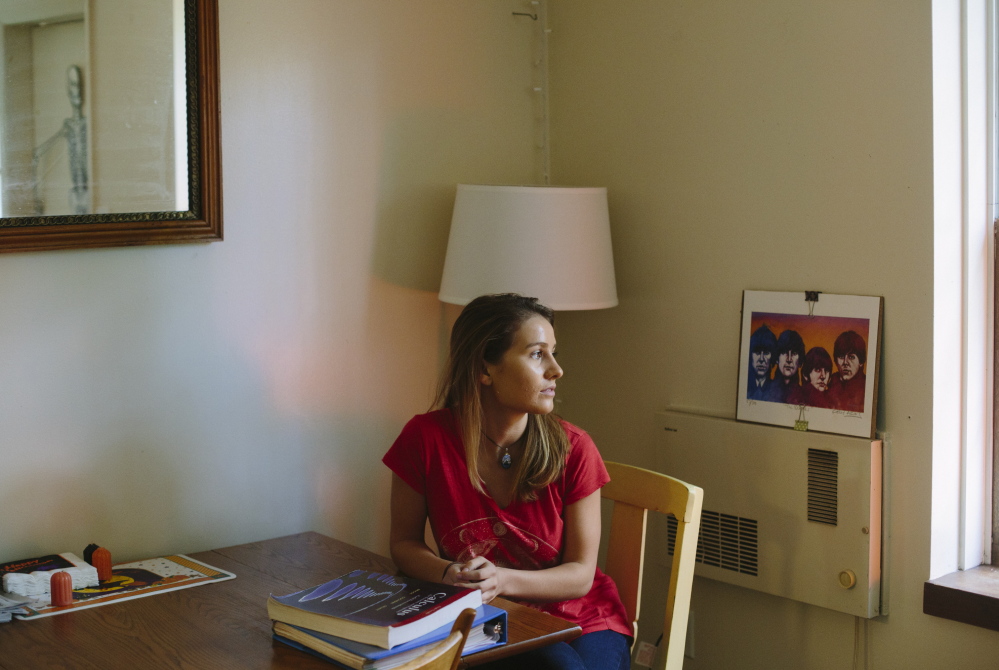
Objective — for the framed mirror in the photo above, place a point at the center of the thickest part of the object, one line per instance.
(109, 123)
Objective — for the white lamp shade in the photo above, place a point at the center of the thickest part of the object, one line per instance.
(548, 242)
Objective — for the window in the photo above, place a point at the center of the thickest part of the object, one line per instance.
(964, 528)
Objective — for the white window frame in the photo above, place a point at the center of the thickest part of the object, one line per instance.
(963, 301)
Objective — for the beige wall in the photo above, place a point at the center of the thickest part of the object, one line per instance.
(173, 399)
(774, 145)
(131, 106)
(18, 138)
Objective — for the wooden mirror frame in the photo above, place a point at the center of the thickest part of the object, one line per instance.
(203, 222)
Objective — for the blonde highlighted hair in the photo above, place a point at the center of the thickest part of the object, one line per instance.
(482, 333)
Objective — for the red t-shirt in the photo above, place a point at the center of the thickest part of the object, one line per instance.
(430, 457)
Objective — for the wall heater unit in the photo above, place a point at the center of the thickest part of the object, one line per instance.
(795, 514)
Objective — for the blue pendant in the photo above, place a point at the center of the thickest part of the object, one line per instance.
(506, 461)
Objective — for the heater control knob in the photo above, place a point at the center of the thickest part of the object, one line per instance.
(847, 579)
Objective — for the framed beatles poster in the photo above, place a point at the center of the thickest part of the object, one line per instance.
(809, 360)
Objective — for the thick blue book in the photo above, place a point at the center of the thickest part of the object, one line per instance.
(374, 608)
(488, 630)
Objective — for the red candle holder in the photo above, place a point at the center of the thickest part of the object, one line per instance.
(61, 588)
(102, 561)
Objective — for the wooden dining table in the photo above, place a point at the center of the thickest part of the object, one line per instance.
(224, 624)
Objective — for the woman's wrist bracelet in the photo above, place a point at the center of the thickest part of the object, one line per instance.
(444, 574)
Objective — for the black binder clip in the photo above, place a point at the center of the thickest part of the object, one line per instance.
(811, 297)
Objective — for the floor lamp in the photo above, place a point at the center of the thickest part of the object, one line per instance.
(548, 242)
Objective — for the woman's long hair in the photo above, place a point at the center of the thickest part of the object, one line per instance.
(482, 333)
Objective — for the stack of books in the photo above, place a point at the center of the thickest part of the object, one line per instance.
(373, 621)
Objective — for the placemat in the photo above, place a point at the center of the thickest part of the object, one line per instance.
(136, 580)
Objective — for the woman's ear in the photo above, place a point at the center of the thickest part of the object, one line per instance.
(484, 377)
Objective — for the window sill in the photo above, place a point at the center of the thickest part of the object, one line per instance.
(968, 596)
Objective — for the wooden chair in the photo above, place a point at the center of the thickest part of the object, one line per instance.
(635, 491)
(446, 655)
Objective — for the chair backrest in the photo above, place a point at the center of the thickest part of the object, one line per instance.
(635, 491)
(446, 654)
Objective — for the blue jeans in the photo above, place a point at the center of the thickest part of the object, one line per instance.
(600, 650)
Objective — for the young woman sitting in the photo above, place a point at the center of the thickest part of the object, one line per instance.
(512, 492)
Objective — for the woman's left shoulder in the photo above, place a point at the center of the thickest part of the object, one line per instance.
(584, 467)
(575, 433)
(581, 445)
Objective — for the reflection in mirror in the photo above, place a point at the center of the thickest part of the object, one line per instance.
(94, 108)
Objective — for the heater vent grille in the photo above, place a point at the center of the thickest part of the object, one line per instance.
(823, 484)
(725, 541)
